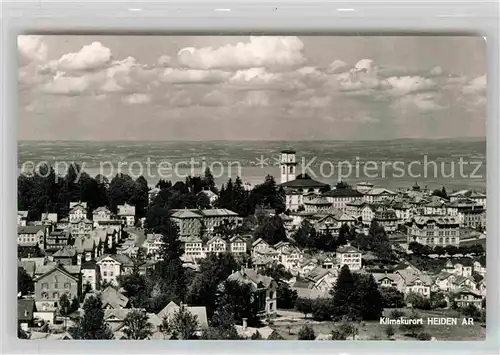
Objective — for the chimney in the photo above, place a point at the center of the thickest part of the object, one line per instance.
(244, 323)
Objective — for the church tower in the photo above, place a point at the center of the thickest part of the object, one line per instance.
(288, 165)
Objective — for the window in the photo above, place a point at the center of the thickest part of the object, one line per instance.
(55, 295)
(45, 286)
(45, 295)
(111, 273)
(105, 273)
(67, 285)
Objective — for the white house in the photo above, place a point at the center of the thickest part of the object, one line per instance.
(350, 256)
(127, 213)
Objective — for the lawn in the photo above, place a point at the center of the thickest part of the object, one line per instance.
(288, 327)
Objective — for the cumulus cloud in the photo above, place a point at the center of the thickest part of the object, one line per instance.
(89, 57)
(164, 60)
(192, 76)
(137, 99)
(475, 86)
(61, 84)
(264, 51)
(31, 48)
(407, 84)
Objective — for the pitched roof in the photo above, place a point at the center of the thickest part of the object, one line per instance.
(123, 259)
(343, 193)
(320, 200)
(347, 249)
(199, 311)
(250, 276)
(304, 184)
(68, 251)
(70, 270)
(29, 229)
(28, 266)
(318, 273)
(114, 298)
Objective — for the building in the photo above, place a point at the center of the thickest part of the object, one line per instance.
(77, 210)
(112, 266)
(67, 255)
(350, 256)
(216, 245)
(193, 247)
(55, 281)
(86, 249)
(364, 187)
(435, 208)
(25, 313)
(409, 281)
(101, 214)
(318, 205)
(387, 218)
(153, 245)
(31, 236)
(57, 239)
(197, 223)
(288, 166)
(296, 191)
(22, 218)
(479, 198)
(466, 297)
(332, 223)
(385, 279)
(378, 194)
(341, 197)
(126, 213)
(263, 287)
(238, 245)
(199, 311)
(323, 280)
(111, 298)
(434, 231)
(212, 196)
(90, 275)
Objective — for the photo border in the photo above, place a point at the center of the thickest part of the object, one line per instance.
(258, 16)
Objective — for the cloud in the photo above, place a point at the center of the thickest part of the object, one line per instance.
(164, 60)
(61, 84)
(476, 86)
(258, 52)
(31, 48)
(408, 84)
(421, 102)
(89, 57)
(191, 76)
(336, 67)
(137, 99)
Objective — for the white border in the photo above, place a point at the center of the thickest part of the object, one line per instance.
(376, 17)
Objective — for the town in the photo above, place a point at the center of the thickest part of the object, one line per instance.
(294, 259)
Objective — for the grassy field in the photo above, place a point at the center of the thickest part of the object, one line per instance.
(288, 327)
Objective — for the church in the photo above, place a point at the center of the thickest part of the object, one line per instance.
(300, 190)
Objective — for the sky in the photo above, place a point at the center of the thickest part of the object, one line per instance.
(83, 87)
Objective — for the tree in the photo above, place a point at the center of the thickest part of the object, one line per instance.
(413, 326)
(239, 300)
(137, 326)
(64, 306)
(135, 286)
(322, 309)
(439, 250)
(451, 250)
(345, 295)
(24, 282)
(92, 325)
(170, 269)
(370, 299)
(304, 305)
(418, 301)
(256, 336)
(203, 201)
(392, 297)
(305, 234)
(272, 231)
(389, 331)
(438, 300)
(183, 325)
(306, 333)
(286, 296)
(209, 181)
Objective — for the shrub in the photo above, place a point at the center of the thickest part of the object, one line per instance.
(306, 333)
(397, 313)
(424, 336)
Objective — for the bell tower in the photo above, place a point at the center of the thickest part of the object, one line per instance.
(288, 165)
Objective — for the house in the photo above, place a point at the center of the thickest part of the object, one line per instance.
(115, 317)
(90, 275)
(56, 280)
(318, 205)
(297, 188)
(408, 281)
(266, 333)
(479, 198)
(67, 255)
(323, 279)
(350, 256)
(152, 193)
(367, 213)
(126, 213)
(196, 222)
(113, 265)
(31, 236)
(378, 194)
(479, 266)
(50, 336)
(77, 210)
(385, 279)
(387, 218)
(435, 208)
(57, 239)
(216, 245)
(434, 231)
(199, 311)
(238, 245)
(340, 197)
(48, 218)
(85, 249)
(444, 281)
(466, 297)
(110, 298)
(462, 268)
(289, 256)
(153, 245)
(80, 226)
(22, 218)
(193, 247)
(25, 311)
(101, 214)
(260, 246)
(264, 289)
